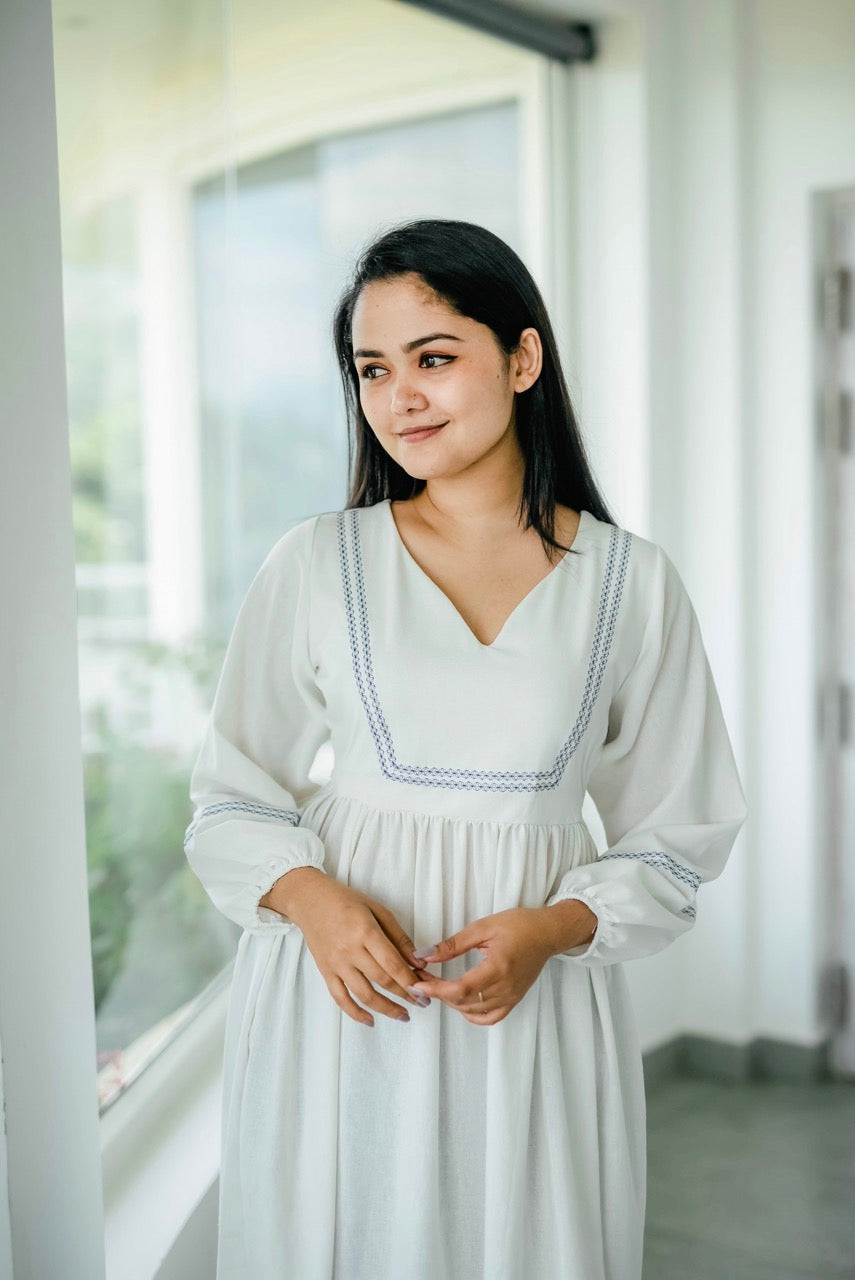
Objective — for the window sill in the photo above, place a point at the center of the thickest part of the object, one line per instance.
(160, 1146)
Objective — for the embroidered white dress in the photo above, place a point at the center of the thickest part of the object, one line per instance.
(438, 1149)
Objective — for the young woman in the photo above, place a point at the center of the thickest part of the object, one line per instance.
(483, 644)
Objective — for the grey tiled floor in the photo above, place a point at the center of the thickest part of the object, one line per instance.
(750, 1181)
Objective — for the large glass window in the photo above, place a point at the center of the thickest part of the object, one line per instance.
(271, 256)
(220, 168)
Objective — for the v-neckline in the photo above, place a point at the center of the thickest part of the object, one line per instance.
(410, 558)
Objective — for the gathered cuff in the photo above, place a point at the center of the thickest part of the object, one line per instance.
(264, 876)
(242, 852)
(603, 935)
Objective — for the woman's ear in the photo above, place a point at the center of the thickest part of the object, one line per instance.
(528, 358)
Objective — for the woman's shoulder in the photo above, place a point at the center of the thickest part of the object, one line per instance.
(636, 571)
(647, 556)
(316, 541)
(295, 551)
(295, 542)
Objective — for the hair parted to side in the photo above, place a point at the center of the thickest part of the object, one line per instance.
(477, 275)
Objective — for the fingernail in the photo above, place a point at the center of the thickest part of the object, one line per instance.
(424, 952)
(424, 1001)
(403, 1016)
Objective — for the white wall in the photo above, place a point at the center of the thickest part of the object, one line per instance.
(803, 127)
(702, 198)
(765, 117)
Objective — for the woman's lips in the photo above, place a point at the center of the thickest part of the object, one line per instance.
(413, 437)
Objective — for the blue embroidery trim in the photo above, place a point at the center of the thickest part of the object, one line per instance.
(688, 911)
(470, 779)
(241, 806)
(663, 861)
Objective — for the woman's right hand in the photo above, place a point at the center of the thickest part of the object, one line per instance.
(355, 941)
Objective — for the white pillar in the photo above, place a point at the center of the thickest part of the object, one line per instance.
(52, 1218)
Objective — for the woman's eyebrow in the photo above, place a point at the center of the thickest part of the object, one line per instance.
(409, 346)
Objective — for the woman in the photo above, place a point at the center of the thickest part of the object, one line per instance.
(475, 683)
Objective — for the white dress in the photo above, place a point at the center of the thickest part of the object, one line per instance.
(438, 1149)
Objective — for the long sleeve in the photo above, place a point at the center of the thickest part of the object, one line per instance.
(268, 719)
(665, 785)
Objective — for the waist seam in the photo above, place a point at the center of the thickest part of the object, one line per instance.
(327, 792)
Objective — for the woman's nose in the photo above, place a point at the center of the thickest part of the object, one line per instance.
(405, 397)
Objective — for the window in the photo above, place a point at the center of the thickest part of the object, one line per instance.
(218, 174)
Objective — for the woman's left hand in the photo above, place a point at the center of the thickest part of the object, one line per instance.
(516, 944)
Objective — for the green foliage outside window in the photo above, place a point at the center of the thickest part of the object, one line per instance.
(156, 938)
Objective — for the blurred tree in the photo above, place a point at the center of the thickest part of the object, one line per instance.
(157, 940)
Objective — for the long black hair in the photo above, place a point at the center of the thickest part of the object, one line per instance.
(477, 275)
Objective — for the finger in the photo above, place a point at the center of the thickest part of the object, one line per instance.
(381, 978)
(487, 1019)
(459, 992)
(364, 991)
(474, 1005)
(457, 944)
(493, 998)
(343, 999)
(448, 992)
(401, 940)
(396, 973)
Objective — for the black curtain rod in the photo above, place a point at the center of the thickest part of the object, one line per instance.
(565, 41)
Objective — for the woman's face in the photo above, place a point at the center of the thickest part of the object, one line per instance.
(410, 377)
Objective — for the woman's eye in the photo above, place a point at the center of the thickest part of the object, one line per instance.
(426, 355)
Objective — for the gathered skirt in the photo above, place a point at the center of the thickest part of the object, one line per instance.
(435, 1149)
